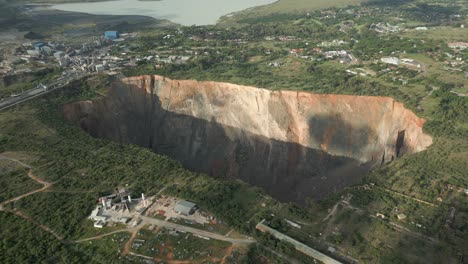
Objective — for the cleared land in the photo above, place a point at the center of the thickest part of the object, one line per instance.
(440, 33)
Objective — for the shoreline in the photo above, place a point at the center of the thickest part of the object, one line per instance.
(208, 14)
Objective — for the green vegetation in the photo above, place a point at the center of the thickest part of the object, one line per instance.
(10, 85)
(62, 211)
(23, 242)
(172, 245)
(289, 6)
(257, 51)
(16, 182)
(83, 168)
(428, 92)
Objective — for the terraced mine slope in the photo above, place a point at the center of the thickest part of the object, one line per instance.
(295, 145)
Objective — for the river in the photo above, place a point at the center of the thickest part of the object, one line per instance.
(184, 12)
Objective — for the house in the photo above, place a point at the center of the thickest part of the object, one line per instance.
(100, 68)
(296, 51)
(185, 208)
(458, 45)
(33, 52)
(275, 64)
(380, 215)
(401, 217)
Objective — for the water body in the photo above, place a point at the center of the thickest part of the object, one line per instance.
(185, 12)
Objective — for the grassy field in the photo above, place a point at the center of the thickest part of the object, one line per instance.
(285, 6)
(166, 245)
(440, 33)
(14, 183)
(288, 7)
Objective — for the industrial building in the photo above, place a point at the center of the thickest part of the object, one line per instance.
(185, 207)
(96, 215)
(118, 207)
(111, 34)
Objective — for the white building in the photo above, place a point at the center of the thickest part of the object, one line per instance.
(96, 215)
(390, 60)
(99, 224)
(100, 68)
(458, 45)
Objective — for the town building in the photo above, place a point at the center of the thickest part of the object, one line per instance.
(401, 217)
(39, 45)
(458, 45)
(185, 208)
(390, 60)
(111, 34)
(34, 52)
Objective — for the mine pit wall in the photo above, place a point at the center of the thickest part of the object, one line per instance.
(293, 144)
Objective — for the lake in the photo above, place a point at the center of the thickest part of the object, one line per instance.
(185, 12)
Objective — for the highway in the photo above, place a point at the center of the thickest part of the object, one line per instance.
(38, 91)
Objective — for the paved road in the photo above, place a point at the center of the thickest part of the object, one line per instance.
(36, 92)
(161, 223)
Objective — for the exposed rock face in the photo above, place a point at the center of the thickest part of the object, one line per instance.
(293, 144)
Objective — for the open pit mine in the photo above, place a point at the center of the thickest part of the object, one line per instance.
(295, 145)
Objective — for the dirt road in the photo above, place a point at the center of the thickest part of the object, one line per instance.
(2, 157)
(45, 184)
(129, 243)
(100, 236)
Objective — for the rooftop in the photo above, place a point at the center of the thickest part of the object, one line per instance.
(184, 207)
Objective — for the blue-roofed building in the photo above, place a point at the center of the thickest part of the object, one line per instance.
(39, 45)
(111, 34)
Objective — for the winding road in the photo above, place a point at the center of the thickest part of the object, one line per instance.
(46, 185)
